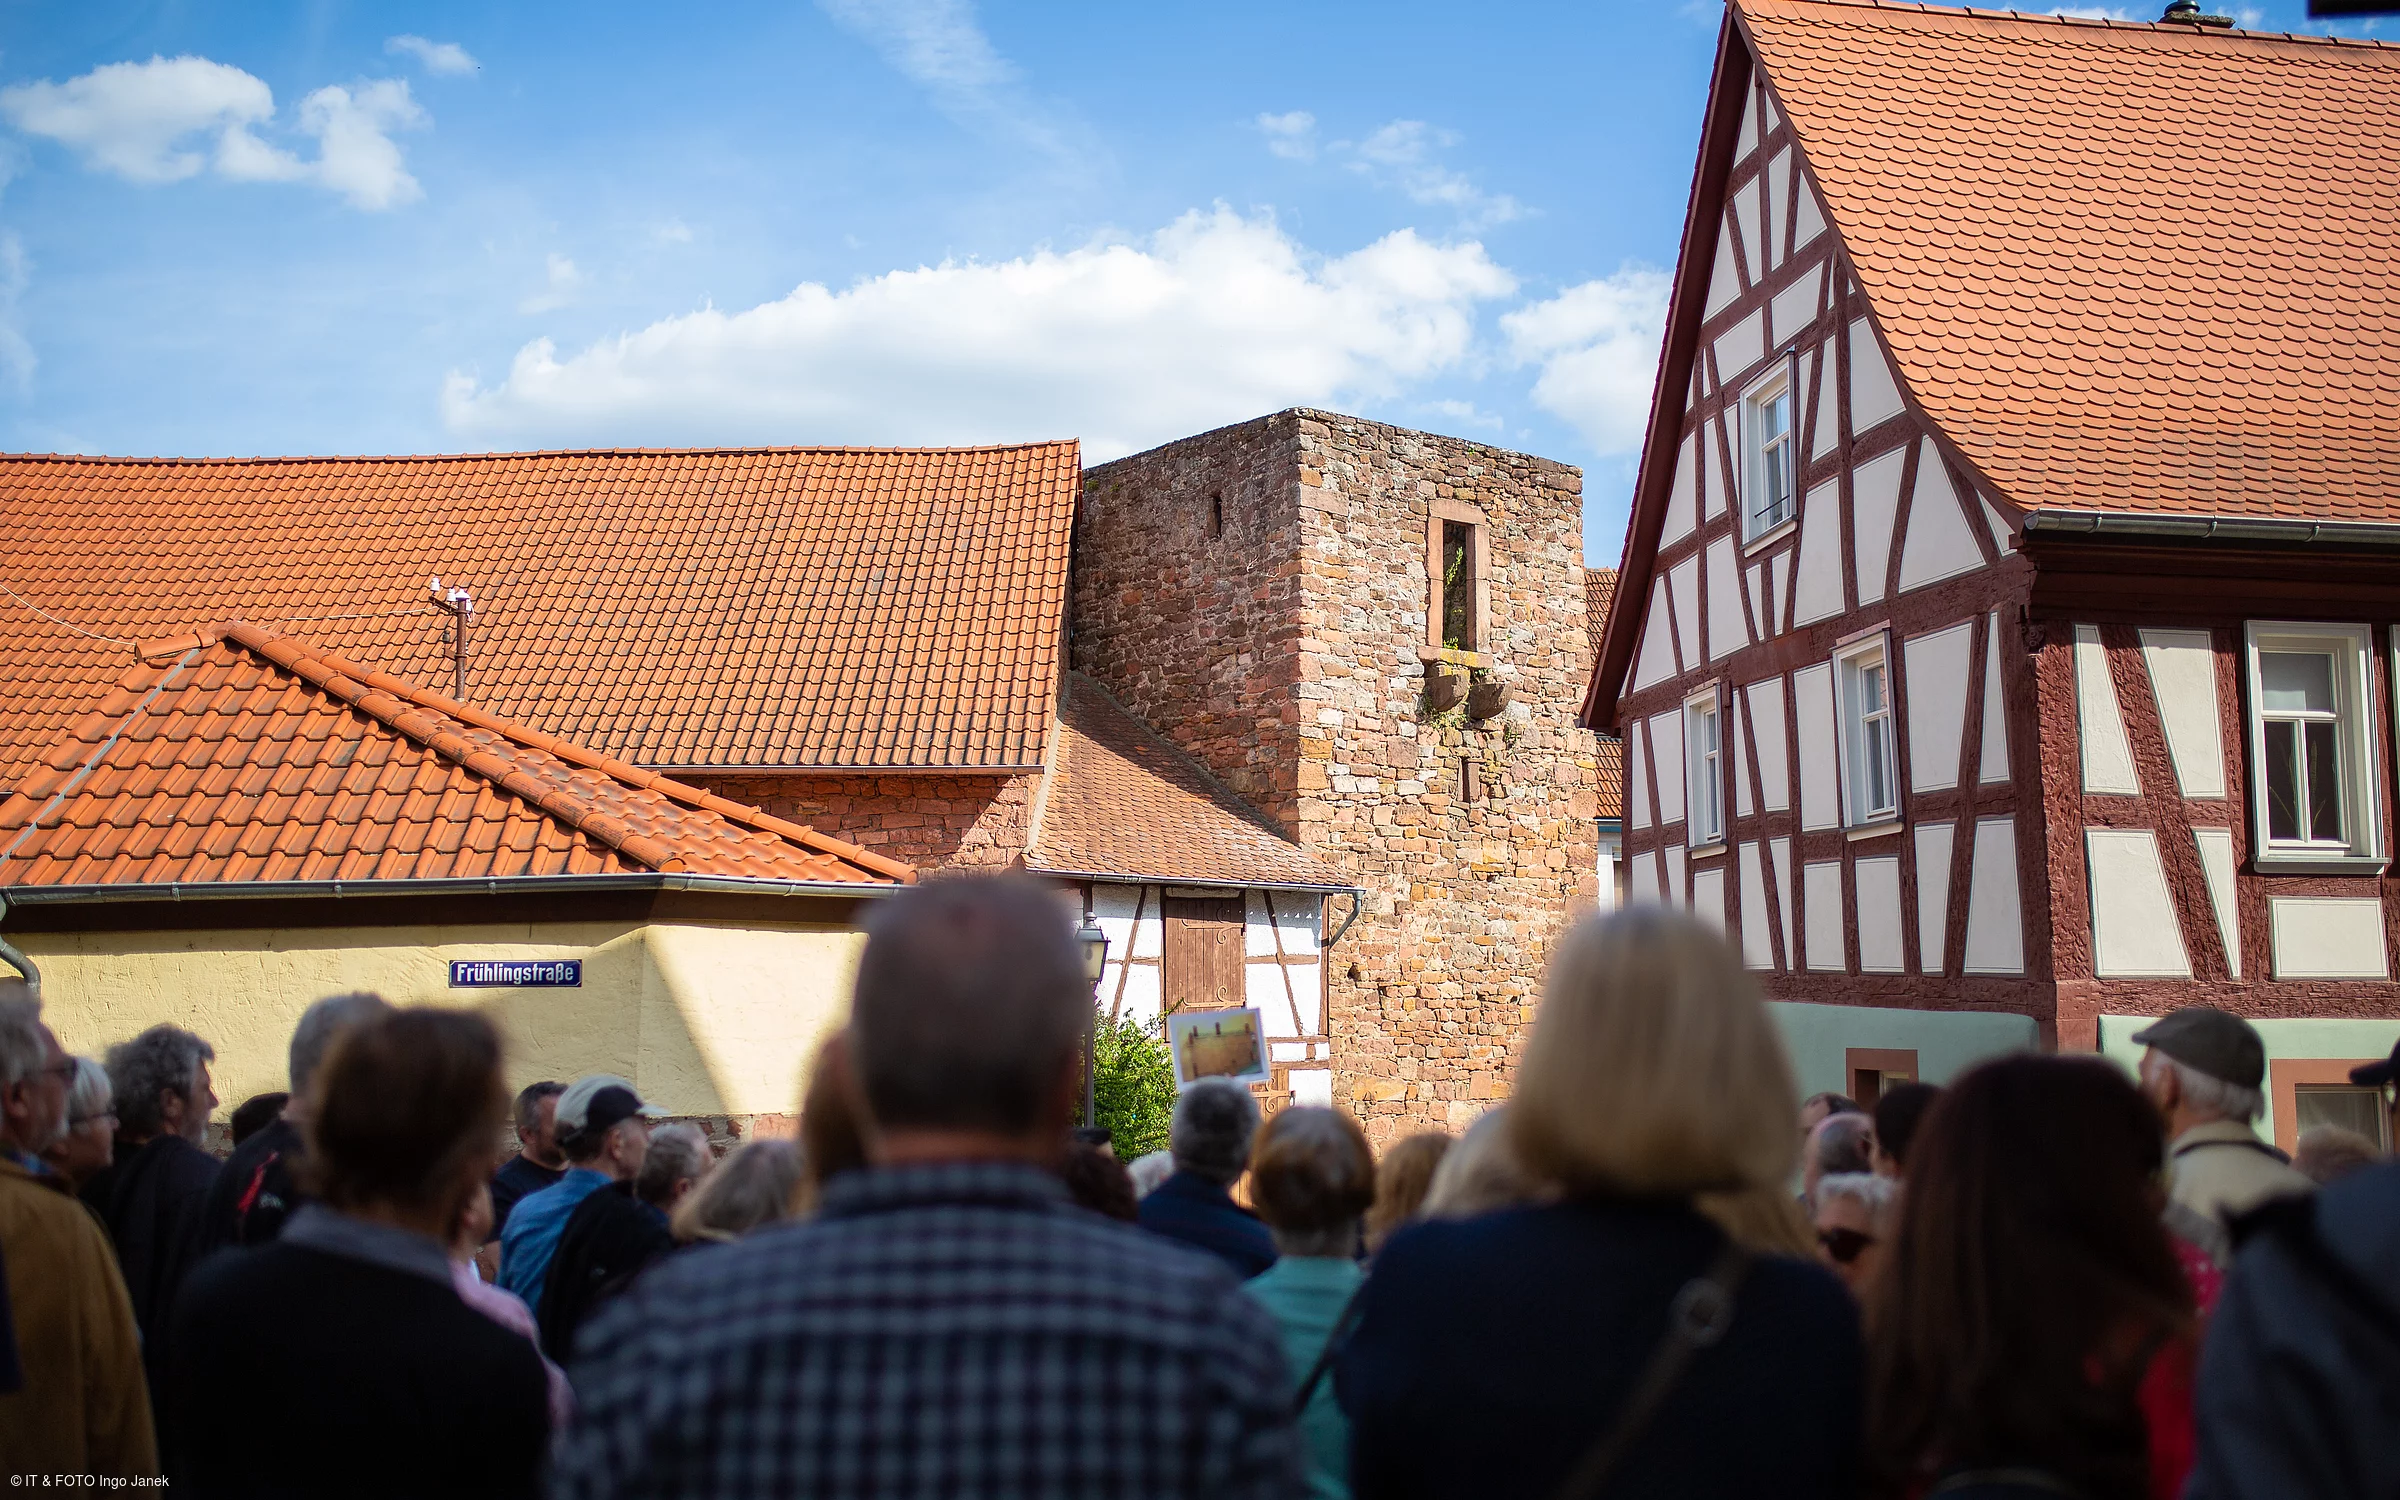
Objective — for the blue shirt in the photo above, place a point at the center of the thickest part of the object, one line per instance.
(1307, 1293)
(955, 1329)
(1190, 1208)
(534, 1227)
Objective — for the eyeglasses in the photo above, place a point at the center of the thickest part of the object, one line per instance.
(1844, 1245)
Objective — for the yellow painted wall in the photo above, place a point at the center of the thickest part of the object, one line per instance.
(705, 1018)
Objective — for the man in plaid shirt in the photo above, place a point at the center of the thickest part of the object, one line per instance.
(948, 1324)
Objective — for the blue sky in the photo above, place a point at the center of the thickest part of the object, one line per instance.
(314, 228)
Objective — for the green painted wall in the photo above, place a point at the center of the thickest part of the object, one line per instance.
(1947, 1042)
(2357, 1041)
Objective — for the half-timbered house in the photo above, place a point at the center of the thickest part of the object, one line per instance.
(2005, 642)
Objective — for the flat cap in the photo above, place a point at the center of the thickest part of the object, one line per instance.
(2223, 1046)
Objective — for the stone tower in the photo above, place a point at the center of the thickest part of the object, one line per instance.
(1377, 637)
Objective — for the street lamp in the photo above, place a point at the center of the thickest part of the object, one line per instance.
(1095, 958)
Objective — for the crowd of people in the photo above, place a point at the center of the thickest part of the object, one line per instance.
(1654, 1270)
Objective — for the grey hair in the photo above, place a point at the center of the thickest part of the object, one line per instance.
(1149, 1170)
(320, 1024)
(21, 1050)
(2204, 1094)
(756, 1184)
(90, 1093)
(1877, 1195)
(970, 1005)
(1845, 1145)
(676, 1152)
(1214, 1121)
(164, 1057)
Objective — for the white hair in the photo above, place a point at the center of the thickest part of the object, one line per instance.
(2207, 1096)
(1149, 1171)
(90, 1093)
(1877, 1195)
(21, 1050)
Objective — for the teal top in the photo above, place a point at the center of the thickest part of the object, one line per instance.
(1306, 1294)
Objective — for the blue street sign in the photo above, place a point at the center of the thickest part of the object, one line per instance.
(515, 973)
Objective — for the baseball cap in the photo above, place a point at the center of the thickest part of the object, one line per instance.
(597, 1101)
(2375, 1075)
(2223, 1046)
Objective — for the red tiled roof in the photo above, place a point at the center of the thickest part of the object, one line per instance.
(1123, 801)
(1599, 588)
(240, 755)
(760, 608)
(2126, 267)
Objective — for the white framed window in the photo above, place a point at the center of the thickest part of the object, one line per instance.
(1770, 456)
(1704, 767)
(1862, 673)
(2312, 756)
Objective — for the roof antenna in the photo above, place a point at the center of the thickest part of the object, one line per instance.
(460, 606)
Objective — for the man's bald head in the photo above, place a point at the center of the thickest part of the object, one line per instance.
(971, 1000)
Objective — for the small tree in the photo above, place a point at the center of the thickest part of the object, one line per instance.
(1133, 1086)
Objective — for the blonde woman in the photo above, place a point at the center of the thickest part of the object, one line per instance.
(757, 1184)
(1402, 1177)
(1501, 1355)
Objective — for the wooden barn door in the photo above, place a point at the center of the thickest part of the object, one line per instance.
(1204, 953)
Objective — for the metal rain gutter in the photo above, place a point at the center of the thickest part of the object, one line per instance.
(1356, 894)
(494, 885)
(2102, 525)
(15, 958)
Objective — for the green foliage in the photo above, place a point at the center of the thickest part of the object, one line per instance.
(1133, 1086)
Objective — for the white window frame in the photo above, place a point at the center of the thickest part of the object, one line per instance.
(1781, 379)
(1857, 733)
(2352, 647)
(1704, 768)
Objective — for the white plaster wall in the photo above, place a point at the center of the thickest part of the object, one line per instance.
(1725, 632)
(1933, 894)
(1817, 587)
(2183, 677)
(2217, 866)
(1936, 707)
(1683, 586)
(1666, 749)
(2107, 758)
(1795, 307)
(1740, 347)
(1993, 758)
(1820, 786)
(1758, 945)
(1708, 893)
(1808, 216)
(1821, 891)
(2327, 937)
(1874, 502)
(1939, 544)
(2135, 932)
(1779, 853)
(1772, 748)
(1641, 879)
(1680, 517)
(1655, 661)
(1995, 915)
(1874, 394)
(1879, 945)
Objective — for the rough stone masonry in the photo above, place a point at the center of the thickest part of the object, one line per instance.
(1265, 596)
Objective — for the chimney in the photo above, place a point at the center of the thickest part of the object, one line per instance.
(2187, 13)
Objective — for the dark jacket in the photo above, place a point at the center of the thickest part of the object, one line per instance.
(1492, 1353)
(257, 1189)
(610, 1238)
(305, 1372)
(2299, 1393)
(1190, 1208)
(516, 1178)
(154, 1198)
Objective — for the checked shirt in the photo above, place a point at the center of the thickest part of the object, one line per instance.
(953, 1330)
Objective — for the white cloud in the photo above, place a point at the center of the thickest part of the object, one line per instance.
(1292, 136)
(672, 232)
(1404, 152)
(2094, 12)
(447, 59)
(139, 121)
(16, 351)
(1597, 346)
(1215, 318)
(560, 282)
(355, 153)
(940, 46)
